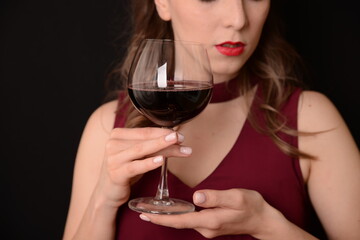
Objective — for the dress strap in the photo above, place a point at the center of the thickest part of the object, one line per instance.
(121, 110)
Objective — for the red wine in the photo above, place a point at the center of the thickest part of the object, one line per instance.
(178, 102)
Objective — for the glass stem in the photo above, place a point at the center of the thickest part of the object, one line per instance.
(162, 193)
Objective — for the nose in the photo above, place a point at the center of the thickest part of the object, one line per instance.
(234, 14)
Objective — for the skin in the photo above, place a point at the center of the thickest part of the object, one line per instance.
(109, 160)
(236, 21)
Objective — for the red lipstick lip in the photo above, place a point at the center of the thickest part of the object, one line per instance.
(230, 48)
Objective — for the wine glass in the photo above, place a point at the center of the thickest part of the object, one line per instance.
(170, 82)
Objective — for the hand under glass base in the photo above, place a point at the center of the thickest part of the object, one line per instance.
(171, 206)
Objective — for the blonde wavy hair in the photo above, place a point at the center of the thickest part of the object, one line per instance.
(274, 61)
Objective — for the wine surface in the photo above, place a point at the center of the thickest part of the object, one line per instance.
(178, 102)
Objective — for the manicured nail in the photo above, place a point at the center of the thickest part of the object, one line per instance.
(186, 150)
(158, 159)
(181, 137)
(145, 218)
(171, 137)
(199, 198)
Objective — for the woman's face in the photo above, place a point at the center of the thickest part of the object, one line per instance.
(230, 29)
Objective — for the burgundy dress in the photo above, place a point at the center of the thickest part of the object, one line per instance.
(254, 162)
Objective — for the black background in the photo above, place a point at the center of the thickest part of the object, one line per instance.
(54, 59)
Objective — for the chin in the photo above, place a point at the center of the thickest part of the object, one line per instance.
(222, 77)
(226, 71)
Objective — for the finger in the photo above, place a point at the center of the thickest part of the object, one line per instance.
(144, 148)
(140, 133)
(232, 198)
(138, 167)
(115, 146)
(181, 221)
(176, 151)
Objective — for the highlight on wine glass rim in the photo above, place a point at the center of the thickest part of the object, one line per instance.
(176, 60)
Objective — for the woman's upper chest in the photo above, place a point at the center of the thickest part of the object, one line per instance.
(211, 136)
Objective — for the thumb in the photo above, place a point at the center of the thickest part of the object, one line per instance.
(218, 198)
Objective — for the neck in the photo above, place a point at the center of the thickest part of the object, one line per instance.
(225, 91)
(220, 78)
(229, 90)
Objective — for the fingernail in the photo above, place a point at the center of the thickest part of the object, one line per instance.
(158, 159)
(186, 150)
(181, 137)
(171, 137)
(199, 198)
(145, 218)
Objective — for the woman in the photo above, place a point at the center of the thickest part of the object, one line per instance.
(276, 151)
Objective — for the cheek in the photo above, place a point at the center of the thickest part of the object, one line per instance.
(190, 24)
(257, 24)
(258, 19)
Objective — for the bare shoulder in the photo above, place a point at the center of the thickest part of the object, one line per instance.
(104, 116)
(95, 135)
(328, 131)
(317, 113)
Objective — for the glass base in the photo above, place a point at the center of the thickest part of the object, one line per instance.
(171, 206)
